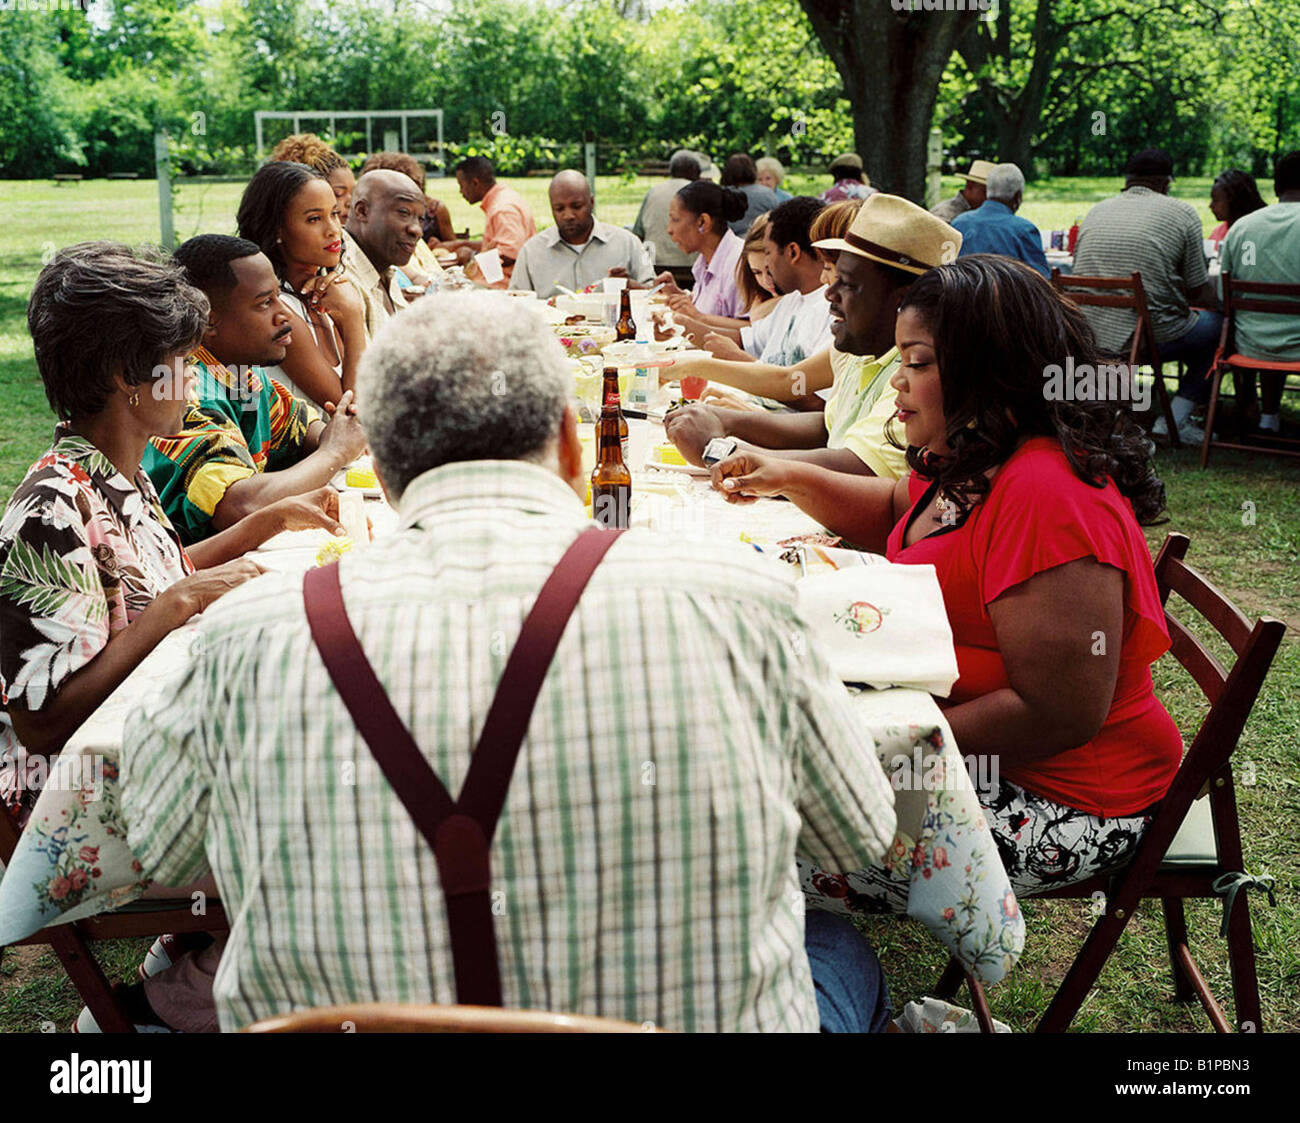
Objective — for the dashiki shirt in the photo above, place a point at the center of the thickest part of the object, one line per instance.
(83, 551)
(241, 424)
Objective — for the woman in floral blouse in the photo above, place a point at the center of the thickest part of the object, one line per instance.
(92, 575)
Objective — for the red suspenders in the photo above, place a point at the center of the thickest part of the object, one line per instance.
(459, 831)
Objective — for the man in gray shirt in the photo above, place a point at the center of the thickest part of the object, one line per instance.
(1142, 230)
(577, 251)
(652, 222)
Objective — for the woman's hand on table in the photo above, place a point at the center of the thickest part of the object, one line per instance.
(746, 477)
(191, 595)
(313, 509)
(690, 428)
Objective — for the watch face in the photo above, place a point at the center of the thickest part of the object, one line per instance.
(719, 448)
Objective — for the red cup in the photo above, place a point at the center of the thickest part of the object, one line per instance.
(693, 387)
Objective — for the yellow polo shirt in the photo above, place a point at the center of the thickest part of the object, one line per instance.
(860, 404)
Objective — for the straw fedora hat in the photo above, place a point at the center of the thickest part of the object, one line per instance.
(898, 233)
(979, 171)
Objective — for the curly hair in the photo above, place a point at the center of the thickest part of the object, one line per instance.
(999, 327)
(395, 162)
(100, 309)
(309, 149)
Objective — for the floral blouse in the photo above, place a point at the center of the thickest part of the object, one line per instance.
(83, 551)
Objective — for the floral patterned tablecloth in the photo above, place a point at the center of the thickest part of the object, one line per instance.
(943, 870)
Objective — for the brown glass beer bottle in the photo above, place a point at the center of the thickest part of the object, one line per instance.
(625, 329)
(611, 480)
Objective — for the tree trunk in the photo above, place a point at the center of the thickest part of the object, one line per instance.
(891, 63)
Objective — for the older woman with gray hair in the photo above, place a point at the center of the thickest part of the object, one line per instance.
(996, 228)
(770, 174)
(92, 575)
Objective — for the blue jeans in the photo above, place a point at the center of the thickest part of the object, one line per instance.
(1195, 347)
(851, 992)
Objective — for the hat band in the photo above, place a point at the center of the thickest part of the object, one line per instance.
(886, 254)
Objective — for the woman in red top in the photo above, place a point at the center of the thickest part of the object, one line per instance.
(1029, 509)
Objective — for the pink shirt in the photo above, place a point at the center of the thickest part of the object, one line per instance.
(715, 292)
(509, 225)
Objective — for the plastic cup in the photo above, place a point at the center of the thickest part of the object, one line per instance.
(693, 387)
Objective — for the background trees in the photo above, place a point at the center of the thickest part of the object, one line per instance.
(1060, 86)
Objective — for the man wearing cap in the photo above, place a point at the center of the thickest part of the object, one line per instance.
(850, 180)
(891, 242)
(995, 227)
(970, 197)
(1142, 230)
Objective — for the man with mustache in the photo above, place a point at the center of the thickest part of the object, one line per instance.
(578, 250)
(246, 441)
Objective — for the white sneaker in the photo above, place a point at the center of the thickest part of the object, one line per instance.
(1191, 434)
(86, 1023)
(1160, 429)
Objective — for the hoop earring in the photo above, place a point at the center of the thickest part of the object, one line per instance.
(134, 399)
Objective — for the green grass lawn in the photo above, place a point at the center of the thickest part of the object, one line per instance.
(1255, 564)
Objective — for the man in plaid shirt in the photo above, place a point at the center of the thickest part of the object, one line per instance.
(688, 741)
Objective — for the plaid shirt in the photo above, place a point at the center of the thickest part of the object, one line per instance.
(688, 740)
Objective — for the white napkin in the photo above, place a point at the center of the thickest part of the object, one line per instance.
(883, 625)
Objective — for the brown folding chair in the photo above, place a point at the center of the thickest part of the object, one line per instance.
(1248, 296)
(1192, 847)
(71, 942)
(393, 1017)
(1124, 292)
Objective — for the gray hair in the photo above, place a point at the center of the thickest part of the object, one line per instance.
(102, 309)
(770, 164)
(461, 376)
(1004, 183)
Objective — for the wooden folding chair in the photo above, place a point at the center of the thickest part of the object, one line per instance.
(1125, 292)
(71, 942)
(1192, 847)
(393, 1017)
(1248, 296)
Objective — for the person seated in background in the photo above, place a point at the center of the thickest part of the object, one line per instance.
(676, 914)
(578, 250)
(287, 211)
(1030, 510)
(386, 224)
(651, 223)
(309, 149)
(757, 292)
(698, 218)
(92, 573)
(889, 244)
(851, 181)
(970, 197)
(799, 326)
(245, 442)
(423, 264)
(739, 172)
(507, 220)
(1142, 230)
(1265, 246)
(770, 175)
(1233, 196)
(994, 227)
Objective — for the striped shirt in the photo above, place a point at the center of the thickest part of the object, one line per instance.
(1142, 231)
(688, 741)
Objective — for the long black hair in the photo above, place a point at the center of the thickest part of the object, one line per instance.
(265, 201)
(999, 328)
(1240, 192)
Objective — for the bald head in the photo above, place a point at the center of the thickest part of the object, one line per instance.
(387, 217)
(572, 206)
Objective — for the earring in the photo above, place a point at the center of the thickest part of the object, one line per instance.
(134, 399)
(971, 423)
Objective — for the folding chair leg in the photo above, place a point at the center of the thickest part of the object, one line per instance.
(1166, 406)
(950, 981)
(1241, 958)
(1083, 973)
(1216, 377)
(1176, 935)
(89, 979)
